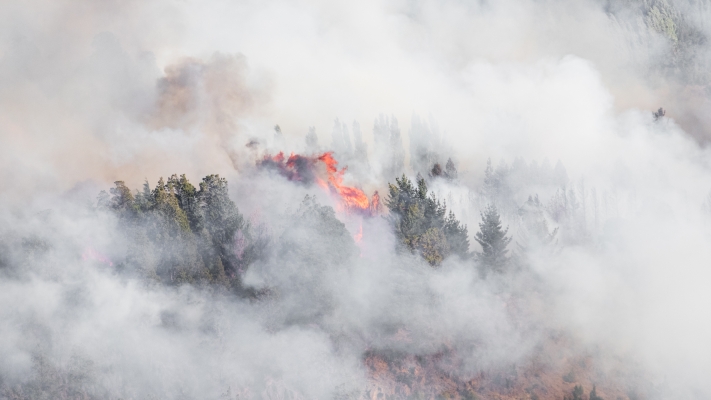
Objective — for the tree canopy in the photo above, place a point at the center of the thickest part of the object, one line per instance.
(493, 240)
(422, 222)
(178, 233)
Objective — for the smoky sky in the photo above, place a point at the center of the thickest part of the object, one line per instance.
(91, 93)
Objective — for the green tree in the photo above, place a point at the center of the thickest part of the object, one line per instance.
(493, 241)
(179, 234)
(450, 169)
(122, 201)
(593, 394)
(172, 217)
(221, 216)
(457, 236)
(422, 224)
(187, 196)
(577, 393)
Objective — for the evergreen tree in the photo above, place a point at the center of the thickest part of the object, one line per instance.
(179, 234)
(222, 219)
(493, 241)
(167, 207)
(188, 201)
(457, 236)
(491, 181)
(496, 189)
(388, 150)
(122, 201)
(577, 393)
(144, 199)
(533, 232)
(312, 141)
(450, 169)
(422, 224)
(593, 394)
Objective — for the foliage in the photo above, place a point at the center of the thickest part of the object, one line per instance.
(449, 172)
(422, 224)
(569, 377)
(389, 151)
(316, 237)
(593, 394)
(177, 233)
(577, 393)
(493, 241)
(533, 232)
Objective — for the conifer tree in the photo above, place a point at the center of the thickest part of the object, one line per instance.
(122, 201)
(422, 224)
(312, 141)
(593, 394)
(493, 241)
(534, 231)
(577, 393)
(450, 169)
(457, 236)
(178, 234)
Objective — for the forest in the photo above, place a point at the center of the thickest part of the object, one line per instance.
(177, 235)
(373, 200)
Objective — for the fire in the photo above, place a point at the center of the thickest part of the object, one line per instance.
(375, 203)
(93, 255)
(303, 169)
(359, 236)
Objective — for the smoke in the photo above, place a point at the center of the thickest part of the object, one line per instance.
(559, 95)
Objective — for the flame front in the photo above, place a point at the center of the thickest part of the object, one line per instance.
(302, 169)
(353, 198)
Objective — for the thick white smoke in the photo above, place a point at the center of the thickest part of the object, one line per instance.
(93, 93)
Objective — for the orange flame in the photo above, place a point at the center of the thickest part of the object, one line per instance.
(302, 169)
(359, 236)
(353, 198)
(375, 204)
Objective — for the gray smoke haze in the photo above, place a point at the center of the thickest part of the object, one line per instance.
(558, 94)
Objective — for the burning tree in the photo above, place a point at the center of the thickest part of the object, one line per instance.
(305, 169)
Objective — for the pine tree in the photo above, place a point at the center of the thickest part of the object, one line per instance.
(122, 201)
(178, 234)
(222, 219)
(493, 241)
(450, 169)
(577, 393)
(457, 236)
(497, 188)
(422, 224)
(593, 394)
(167, 206)
(491, 181)
(533, 222)
(312, 141)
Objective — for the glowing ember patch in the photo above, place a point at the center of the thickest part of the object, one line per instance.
(359, 236)
(90, 254)
(375, 204)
